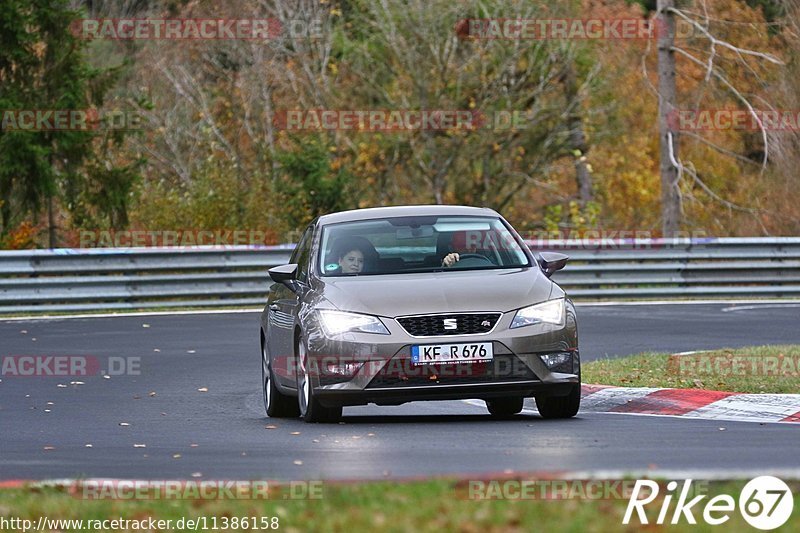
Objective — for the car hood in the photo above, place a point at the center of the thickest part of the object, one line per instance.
(394, 295)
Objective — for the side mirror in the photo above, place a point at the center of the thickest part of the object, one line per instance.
(552, 262)
(285, 275)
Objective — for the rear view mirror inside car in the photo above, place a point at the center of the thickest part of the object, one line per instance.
(414, 232)
(449, 227)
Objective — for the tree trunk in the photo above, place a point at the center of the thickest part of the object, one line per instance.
(52, 187)
(51, 222)
(577, 138)
(667, 103)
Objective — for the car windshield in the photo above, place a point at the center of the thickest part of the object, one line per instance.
(418, 244)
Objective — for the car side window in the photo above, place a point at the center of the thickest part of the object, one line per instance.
(301, 254)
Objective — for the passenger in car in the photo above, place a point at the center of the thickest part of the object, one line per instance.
(352, 262)
(351, 256)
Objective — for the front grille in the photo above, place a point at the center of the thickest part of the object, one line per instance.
(401, 372)
(436, 325)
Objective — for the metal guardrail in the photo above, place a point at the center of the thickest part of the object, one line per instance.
(38, 281)
(35, 281)
(681, 268)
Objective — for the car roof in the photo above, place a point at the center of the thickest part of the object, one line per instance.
(405, 211)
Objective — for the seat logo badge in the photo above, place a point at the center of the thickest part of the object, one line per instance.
(486, 324)
(450, 323)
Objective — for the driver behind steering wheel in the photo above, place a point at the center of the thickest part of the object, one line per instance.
(464, 244)
(450, 259)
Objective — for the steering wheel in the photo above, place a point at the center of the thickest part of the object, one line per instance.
(476, 260)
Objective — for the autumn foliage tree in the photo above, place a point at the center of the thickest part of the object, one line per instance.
(587, 153)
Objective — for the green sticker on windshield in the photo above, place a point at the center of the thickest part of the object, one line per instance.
(331, 266)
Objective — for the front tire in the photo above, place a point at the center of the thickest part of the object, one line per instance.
(504, 407)
(276, 404)
(560, 406)
(311, 410)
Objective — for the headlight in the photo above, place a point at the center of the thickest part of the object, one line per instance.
(549, 312)
(335, 322)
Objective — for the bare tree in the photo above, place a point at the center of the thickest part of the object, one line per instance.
(672, 167)
(414, 58)
(577, 137)
(667, 103)
(216, 100)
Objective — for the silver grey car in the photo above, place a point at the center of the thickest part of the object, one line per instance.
(398, 304)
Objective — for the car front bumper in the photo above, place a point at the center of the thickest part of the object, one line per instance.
(382, 371)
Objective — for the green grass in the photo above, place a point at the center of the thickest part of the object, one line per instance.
(760, 369)
(433, 505)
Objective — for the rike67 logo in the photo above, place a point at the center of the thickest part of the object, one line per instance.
(765, 503)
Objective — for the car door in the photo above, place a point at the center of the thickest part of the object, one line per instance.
(284, 305)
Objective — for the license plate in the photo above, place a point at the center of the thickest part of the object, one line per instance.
(427, 354)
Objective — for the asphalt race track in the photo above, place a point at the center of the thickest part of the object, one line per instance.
(179, 354)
